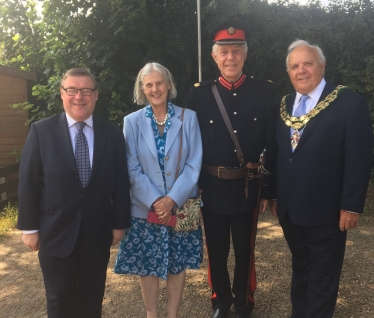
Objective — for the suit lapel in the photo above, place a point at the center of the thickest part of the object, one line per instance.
(65, 141)
(100, 136)
(313, 122)
(175, 126)
(146, 130)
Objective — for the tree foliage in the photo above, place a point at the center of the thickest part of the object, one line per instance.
(115, 38)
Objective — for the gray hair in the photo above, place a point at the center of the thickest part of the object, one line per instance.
(139, 96)
(215, 47)
(297, 43)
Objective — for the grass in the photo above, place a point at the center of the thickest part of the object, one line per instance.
(8, 218)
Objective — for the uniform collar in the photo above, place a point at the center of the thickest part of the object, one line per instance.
(229, 85)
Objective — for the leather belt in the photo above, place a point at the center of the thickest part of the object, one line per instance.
(223, 172)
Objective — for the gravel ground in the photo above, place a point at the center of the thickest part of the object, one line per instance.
(22, 291)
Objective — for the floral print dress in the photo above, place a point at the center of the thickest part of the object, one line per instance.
(149, 249)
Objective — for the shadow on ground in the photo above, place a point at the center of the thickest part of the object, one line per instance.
(22, 291)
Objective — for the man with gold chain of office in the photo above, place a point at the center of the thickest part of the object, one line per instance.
(325, 154)
(236, 113)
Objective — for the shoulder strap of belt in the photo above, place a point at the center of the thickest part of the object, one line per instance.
(226, 118)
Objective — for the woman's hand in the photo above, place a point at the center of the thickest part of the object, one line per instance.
(163, 208)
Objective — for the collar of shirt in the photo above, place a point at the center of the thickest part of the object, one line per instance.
(149, 111)
(71, 121)
(314, 96)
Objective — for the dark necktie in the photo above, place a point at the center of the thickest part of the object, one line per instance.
(82, 156)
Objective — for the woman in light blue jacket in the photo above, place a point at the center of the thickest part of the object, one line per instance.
(152, 135)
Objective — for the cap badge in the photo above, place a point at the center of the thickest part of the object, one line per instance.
(231, 30)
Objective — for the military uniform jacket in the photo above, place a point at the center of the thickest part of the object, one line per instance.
(252, 113)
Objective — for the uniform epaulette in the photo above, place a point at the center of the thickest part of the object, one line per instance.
(205, 83)
(260, 79)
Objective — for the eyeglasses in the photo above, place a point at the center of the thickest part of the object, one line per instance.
(74, 91)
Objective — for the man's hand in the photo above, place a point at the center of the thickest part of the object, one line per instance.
(263, 205)
(32, 241)
(273, 208)
(348, 220)
(117, 235)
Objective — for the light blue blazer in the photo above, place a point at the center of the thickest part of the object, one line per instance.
(142, 161)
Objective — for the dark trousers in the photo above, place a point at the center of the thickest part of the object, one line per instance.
(217, 232)
(317, 260)
(75, 284)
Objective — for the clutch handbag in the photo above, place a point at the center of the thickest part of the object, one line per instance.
(187, 215)
(153, 218)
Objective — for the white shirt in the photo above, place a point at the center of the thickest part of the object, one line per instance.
(314, 96)
(88, 131)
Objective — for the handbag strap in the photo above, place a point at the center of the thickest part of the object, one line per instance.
(226, 118)
(180, 146)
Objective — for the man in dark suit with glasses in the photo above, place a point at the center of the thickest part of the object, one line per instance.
(74, 198)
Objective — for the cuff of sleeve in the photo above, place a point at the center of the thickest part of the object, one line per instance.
(30, 231)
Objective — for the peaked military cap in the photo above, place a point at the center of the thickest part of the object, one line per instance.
(229, 32)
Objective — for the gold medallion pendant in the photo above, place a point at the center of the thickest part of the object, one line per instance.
(295, 137)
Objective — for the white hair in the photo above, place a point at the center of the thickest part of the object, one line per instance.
(297, 43)
(215, 47)
(139, 96)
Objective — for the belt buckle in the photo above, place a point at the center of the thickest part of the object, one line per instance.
(250, 175)
(219, 168)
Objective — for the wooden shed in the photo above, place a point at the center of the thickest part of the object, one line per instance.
(13, 131)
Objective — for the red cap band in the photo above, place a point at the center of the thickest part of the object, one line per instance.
(239, 35)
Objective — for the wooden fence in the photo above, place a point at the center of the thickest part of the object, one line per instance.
(8, 184)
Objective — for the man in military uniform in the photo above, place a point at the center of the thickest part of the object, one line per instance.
(229, 191)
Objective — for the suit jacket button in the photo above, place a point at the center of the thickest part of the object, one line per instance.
(168, 173)
(291, 160)
(166, 158)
